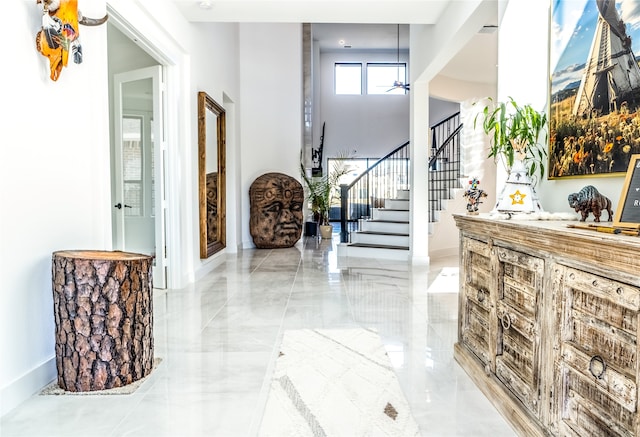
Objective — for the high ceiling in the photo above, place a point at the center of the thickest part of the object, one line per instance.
(315, 11)
(358, 36)
(361, 24)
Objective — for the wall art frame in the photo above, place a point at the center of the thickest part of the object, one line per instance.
(594, 111)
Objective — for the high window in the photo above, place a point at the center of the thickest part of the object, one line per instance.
(381, 77)
(348, 78)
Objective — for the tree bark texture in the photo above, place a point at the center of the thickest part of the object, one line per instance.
(103, 304)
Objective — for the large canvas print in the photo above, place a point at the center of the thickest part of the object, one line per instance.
(594, 115)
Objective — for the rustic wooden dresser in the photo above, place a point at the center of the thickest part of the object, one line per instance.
(548, 324)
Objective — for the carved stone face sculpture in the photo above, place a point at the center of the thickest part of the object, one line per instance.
(276, 211)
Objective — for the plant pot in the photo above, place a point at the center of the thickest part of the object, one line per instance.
(326, 231)
(311, 229)
(518, 193)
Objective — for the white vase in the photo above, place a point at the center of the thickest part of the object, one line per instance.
(518, 194)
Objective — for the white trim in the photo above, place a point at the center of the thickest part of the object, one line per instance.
(27, 385)
(136, 23)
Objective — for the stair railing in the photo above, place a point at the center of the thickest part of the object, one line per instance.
(442, 130)
(380, 181)
(444, 163)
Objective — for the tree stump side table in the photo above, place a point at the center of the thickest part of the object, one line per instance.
(103, 304)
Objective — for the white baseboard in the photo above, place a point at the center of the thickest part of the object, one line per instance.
(420, 260)
(27, 385)
(210, 264)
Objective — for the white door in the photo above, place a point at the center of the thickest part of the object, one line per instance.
(139, 208)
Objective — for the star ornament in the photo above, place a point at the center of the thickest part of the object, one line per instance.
(517, 198)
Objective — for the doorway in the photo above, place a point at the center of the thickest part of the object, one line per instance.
(138, 152)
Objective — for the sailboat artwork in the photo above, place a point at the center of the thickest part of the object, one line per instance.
(595, 90)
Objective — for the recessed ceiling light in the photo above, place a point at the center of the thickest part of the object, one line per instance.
(205, 4)
(341, 42)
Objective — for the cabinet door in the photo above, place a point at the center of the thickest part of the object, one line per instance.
(598, 360)
(475, 330)
(518, 339)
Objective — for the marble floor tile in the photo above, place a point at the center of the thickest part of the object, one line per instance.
(219, 338)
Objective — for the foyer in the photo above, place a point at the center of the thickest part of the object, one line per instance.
(218, 340)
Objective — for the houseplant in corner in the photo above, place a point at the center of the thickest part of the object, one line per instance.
(515, 134)
(322, 191)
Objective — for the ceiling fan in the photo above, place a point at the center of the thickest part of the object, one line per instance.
(398, 83)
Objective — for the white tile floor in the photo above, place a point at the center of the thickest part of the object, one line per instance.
(218, 338)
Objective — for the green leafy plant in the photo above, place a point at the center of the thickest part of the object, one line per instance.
(515, 132)
(321, 192)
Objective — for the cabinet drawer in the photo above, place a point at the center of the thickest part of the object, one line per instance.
(604, 378)
(599, 319)
(520, 279)
(480, 296)
(597, 337)
(477, 264)
(517, 355)
(620, 293)
(598, 359)
(588, 409)
(475, 331)
(516, 360)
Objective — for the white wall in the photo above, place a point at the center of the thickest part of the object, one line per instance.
(373, 125)
(216, 71)
(55, 172)
(54, 188)
(271, 133)
(524, 74)
(441, 109)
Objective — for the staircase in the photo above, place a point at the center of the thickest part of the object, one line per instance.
(444, 166)
(375, 214)
(444, 183)
(386, 234)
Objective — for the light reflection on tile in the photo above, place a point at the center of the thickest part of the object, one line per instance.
(219, 339)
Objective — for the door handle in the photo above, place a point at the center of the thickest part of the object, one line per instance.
(119, 205)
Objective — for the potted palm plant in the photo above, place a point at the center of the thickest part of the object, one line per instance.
(323, 191)
(518, 135)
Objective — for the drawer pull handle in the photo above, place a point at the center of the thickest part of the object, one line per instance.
(597, 366)
(572, 276)
(481, 295)
(505, 320)
(595, 283)
(619, 290)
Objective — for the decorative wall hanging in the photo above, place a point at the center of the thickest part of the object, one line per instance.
(595, 89)
(60, 33)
